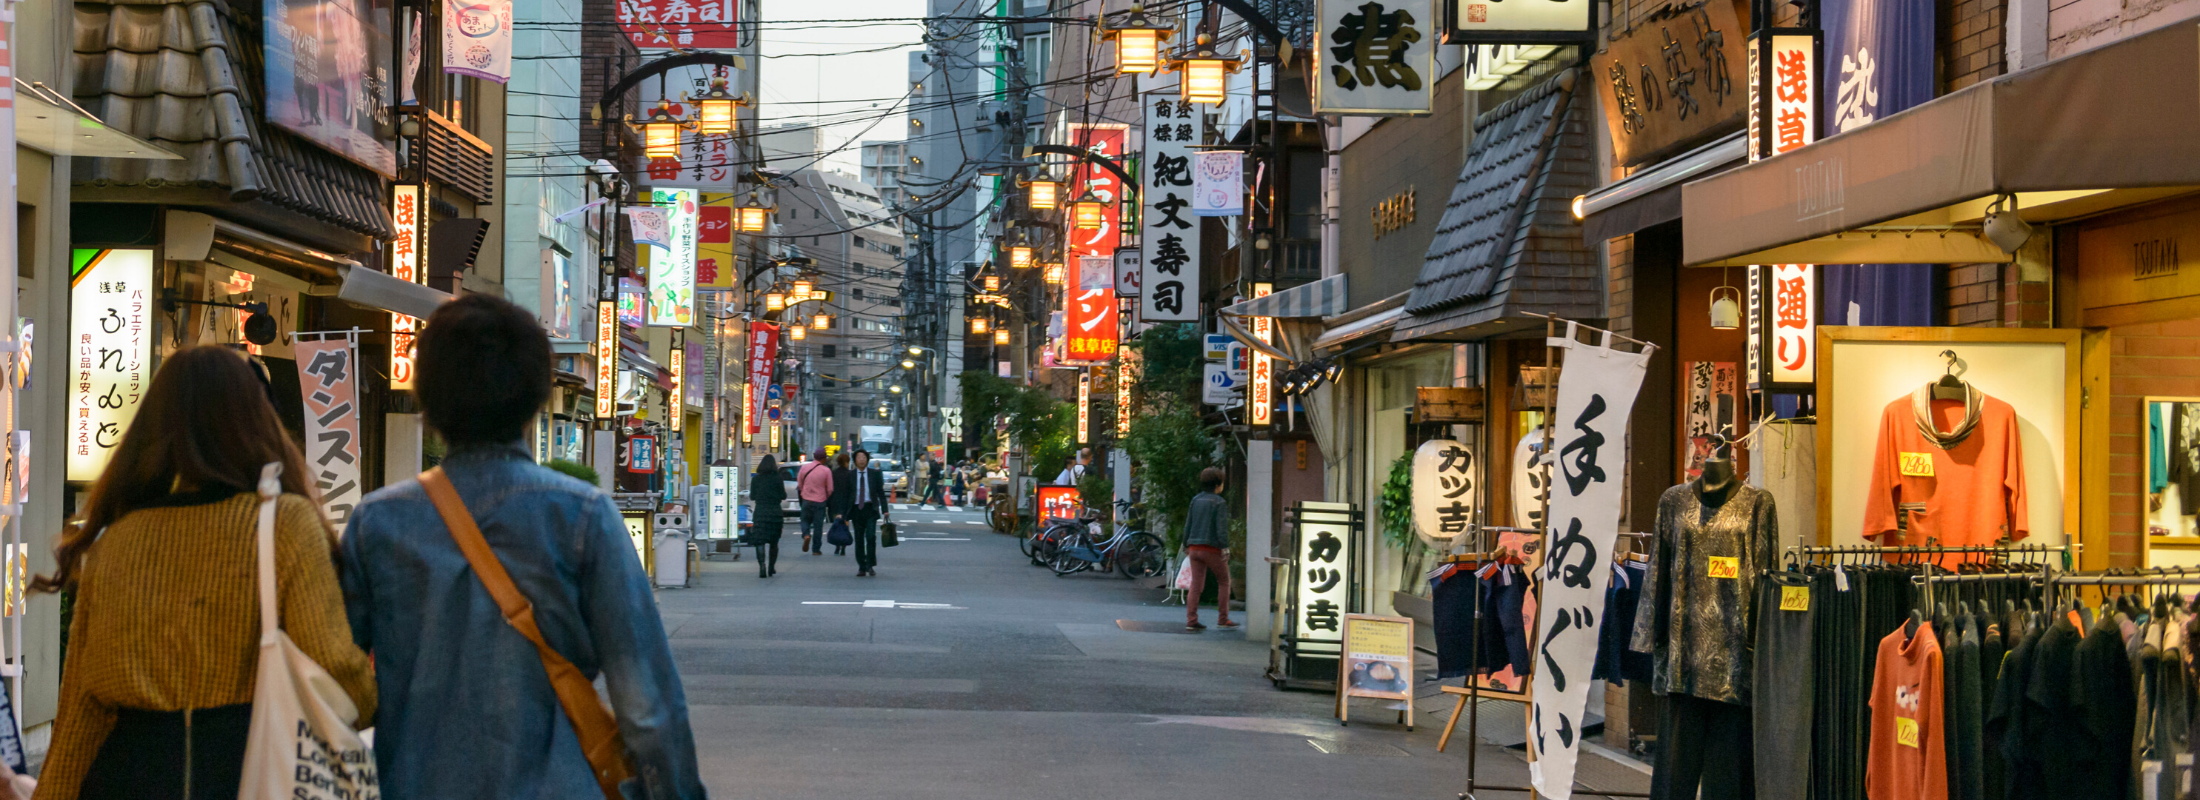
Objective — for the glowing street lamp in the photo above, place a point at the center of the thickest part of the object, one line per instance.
(801, 291)
(993, 282)
(661, 133)
(978, 325)
(1043, 194)
(774, 301)
(1203, 74)
(1088, 211)
(823, 322)
(1019, 256)
(1054, 274)
(796, 332)
(1138, 40)
(1000, 336)
(752, 216)
(714, 110)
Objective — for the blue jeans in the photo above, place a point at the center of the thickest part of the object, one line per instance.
(813, 525)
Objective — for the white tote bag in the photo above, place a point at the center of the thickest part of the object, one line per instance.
(302, 746)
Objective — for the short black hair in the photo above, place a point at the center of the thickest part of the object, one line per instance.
(482, 370)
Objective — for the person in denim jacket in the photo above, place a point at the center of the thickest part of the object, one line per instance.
(467, 708)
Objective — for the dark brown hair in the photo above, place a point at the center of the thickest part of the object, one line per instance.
(1211, 477)
(206, 423)
(840, 460)
(768, 465)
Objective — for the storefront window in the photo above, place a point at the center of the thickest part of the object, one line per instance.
(1391, 391)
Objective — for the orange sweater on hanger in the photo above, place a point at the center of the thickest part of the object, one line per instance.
(1909, 755)
(1969, 494)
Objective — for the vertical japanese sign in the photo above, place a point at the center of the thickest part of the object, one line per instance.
(1378, 63)
(328, 377)
(607, 359)
(1596, 395)
(687, 24)
(1445, 475)
(1218, 184)
(1783, 94)
(721, 503)
(1169, 281)
(1130, 266)
(406, 218)
(1324, 584)
(1714, 403)
(1084, 407)
(763, 350)
(1879, 59)
(1262, 389)
(672, 266)
(1126, 375)
(477, 39)
(1105, 141)
(1783, 326)
(677, 399)
(692, 394)
(714, 267)
(1090, 315)
(110, 328)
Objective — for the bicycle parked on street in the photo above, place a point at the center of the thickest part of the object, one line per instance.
(1131, 551)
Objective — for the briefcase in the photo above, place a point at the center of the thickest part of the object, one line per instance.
(887, 537)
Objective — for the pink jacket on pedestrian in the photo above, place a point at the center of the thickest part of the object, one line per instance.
(814, 481)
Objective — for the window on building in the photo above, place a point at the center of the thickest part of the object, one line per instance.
(829, 351)
(859, 293)
(859, 239)
(1038, 50)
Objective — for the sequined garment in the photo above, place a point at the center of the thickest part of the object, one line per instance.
(1695, 619)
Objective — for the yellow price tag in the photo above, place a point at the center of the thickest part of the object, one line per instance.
(1794, 598)
(1919, 465)
(1905, 731)
(1725, 567)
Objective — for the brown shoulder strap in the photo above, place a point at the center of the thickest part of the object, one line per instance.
(597, 729)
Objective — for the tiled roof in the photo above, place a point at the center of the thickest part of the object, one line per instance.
(1508, 242)
(186, 74)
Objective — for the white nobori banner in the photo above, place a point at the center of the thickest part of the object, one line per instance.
(1596, 395)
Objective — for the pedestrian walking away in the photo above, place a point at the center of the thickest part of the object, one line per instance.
(766, 519)
(814, 484)
(868, 506)
(844, 496)
(472, 705)
(162, 560)
(1207, 549)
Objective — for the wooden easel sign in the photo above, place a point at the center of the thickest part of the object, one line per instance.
(1378, 663)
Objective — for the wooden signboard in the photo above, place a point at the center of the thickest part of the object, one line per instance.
(1447, 404)
(1673, 81)
(1378, 663)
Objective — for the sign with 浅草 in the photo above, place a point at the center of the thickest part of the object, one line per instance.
(1378, 57)
(1673, 82)
(111, 302)
(1445, 475)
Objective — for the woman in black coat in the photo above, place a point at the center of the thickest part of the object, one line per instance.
(843, 501)
(768, 493)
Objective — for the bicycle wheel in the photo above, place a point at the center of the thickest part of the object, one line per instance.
(1048, 544)
(1064, 563)
(1143, 556)
(1001, 515)
(1029, 543)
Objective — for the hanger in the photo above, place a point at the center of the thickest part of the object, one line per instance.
(1950, 387)
(1909, 627)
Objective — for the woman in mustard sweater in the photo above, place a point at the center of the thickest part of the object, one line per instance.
(156, 689)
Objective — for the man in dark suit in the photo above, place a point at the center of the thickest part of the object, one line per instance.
(870, 504)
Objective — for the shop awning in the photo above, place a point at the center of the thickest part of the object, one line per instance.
(1508, 246)
(2099, 129)
(1653, 196)
(48, 122)
(1362, 324)
(1322, 298)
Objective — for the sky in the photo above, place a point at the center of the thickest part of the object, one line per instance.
(845, 84)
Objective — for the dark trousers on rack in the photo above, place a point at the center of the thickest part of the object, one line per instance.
(1703, 743)
(1782, 693)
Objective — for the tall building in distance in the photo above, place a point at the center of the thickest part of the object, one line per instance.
(884, 164)
(791, 146)
(849, 366)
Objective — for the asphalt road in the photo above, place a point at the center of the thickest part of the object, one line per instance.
(962, 673)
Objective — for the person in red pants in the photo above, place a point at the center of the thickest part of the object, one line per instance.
(1207, 549)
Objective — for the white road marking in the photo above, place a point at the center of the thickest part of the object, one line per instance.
(883, 604)
(931, 539)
